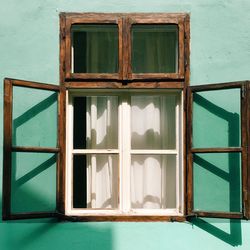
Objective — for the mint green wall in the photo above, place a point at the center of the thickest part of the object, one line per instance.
(29, 49)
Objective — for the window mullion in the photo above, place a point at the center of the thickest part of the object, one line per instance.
(125, 153)
(95, 151)
(69, 143)
(177, 124)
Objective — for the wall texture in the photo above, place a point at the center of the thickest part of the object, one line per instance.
(29, 49)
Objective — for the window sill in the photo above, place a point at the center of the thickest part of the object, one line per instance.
(116, 215)
(124, 218)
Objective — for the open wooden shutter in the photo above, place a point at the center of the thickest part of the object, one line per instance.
(217, 132)
(33, 154)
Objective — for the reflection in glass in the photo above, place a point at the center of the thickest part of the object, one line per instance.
(95, 181)
(153, 181)
(217, 118)
(95, 48)
(34, 117)
(33, 182)
(96, 122)
(154, 48)
(153, 121)
(217, 182)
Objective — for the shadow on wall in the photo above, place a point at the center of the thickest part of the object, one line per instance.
(33, 180)
(49, 234)
(231, 231)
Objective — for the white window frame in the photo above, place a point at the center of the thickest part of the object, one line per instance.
(124, 153)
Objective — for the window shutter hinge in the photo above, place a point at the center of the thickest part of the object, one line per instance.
(191, 216)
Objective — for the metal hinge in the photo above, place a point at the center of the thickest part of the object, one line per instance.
(191, 216)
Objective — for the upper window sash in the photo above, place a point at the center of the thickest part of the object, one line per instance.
(68, 21)
(125, 24)
(174, 20)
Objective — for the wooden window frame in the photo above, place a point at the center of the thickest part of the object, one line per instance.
(124, 152)
(72, 19)
(127, 80)
(9, 148)
(243, 149)
(124, 22)
(149, 19)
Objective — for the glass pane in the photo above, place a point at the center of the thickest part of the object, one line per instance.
(154, 48)
(217, 182)
(153, 181)
(95, 48)
(34, 117)
(79, 181)
(95, 181)
(216, 118)
(33, 182)
(153, 122)
(96, 122)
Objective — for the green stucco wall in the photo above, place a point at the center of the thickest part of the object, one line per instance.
(29, 49)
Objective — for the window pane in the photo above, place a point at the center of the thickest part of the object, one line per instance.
(96, 122)
(95, 48)
(79, 181)
(154, 48)
(95, 181)
(153, 181)
(153, 122)
(34, 117)
(79, 127)
(216, 118)
(33, 182)
(217, 182)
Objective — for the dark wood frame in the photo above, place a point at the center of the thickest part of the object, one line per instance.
(148, 19)
(247, 203)
(124, 22)
(123, 218)
(243, 86)
(125, 80)
(67, 20)
(9, 148)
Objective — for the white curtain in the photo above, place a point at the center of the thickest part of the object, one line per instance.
(95, 48)
(154, 48)
(153, 176)
(101, 49)
(102, 170)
